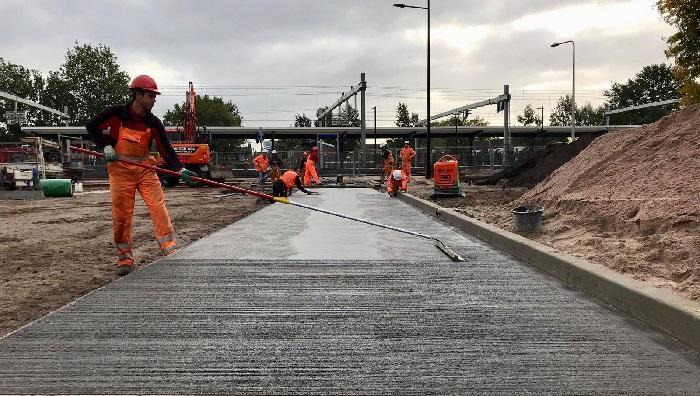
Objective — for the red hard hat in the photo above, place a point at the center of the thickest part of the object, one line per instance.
(314, 149)
(144, 83)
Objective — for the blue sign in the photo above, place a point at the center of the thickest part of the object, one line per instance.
(333, 136)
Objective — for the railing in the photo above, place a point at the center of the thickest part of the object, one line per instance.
(350, 162)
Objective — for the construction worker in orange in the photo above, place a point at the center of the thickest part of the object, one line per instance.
(276, 166)
(407, 154)
(310, 174)
(261, 164)
(397, 181)
(126, 132)
(282, 187)
(388, 162)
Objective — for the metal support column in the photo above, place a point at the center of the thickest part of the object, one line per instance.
(363, 121)
(507, 146)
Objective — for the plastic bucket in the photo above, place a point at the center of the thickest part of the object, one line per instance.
(527, 218)
(78, 187)
(57, 187)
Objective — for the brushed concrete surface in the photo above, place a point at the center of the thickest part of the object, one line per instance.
(265, 306)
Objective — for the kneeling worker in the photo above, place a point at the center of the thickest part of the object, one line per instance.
(282, 187)
(397, 181)
(132, 128)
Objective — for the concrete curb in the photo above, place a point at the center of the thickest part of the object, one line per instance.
(659, 308)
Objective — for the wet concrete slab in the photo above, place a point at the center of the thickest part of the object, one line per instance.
(286, 231)
(278, 310)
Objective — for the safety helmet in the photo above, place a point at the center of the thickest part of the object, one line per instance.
(405, 141)
(314, 149)
(397, 175)
(144, 83)
(274, 151)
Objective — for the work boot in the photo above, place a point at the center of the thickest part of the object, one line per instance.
(124, 270)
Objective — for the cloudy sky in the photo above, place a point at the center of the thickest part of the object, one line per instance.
(278, 58)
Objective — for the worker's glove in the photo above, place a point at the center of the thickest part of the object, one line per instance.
(186, 174)
(110, 154)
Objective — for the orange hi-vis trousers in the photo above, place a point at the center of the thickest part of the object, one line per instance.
(406, 168)
(310, 173)
(124, 181)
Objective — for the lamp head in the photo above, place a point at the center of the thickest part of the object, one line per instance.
(555, 45)
(399, 5)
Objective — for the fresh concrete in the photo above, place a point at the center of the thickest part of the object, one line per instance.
(657, 307)
(268, 305)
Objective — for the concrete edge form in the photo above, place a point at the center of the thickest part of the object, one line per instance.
(659, 308)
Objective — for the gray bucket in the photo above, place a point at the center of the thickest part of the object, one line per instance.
(528, 218)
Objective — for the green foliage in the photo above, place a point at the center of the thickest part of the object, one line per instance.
(211, 111)
(652, 84)
(529, 117)
(19, 81)
(456, 120)
(585, 115)
(301, 120)
(684, 45)
(403, 119)
(327, 120)
(94, 81)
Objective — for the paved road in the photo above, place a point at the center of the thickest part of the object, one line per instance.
(292, 301)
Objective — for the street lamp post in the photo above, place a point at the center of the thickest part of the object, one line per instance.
(573, 87)
(375, 130)
(428, 167)
(541, 119)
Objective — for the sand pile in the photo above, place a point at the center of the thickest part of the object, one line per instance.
(540, 165)
(631, 201)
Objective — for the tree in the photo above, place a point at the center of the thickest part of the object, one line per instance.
(327, 120)
(25, 83)
(653, 83)
(684, 45)
(585, 115)
(529, 117)
(301, 120)
(211, 111)
(588, 115)
(93, 79)
(402, 117)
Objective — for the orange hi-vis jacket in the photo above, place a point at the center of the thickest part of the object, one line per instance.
(407, 154)
(132, 137)
(289, 178)
(310, 173)
(261, 163)
(397, 185)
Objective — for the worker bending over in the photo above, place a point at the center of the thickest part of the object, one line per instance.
(261, 164)
(310, 174)
(397, 181)
(388, 162)
(126, 132)
(282, 187)
(407, 154)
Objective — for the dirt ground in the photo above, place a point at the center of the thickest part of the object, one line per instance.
(55, 250)
(657, 258)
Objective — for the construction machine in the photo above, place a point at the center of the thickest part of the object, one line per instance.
(190, 143)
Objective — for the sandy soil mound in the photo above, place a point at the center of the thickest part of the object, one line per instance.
(540, 165)
(631, 201)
